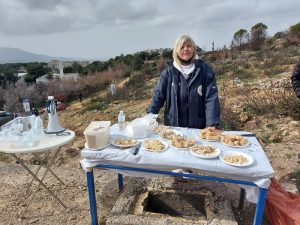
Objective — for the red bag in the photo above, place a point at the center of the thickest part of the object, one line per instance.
(282, 207)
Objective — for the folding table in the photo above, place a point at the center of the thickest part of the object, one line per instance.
(255, 179)
(46, 144)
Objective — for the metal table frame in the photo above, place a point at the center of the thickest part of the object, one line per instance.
(48, 144)
(92, 197)
(43, 175)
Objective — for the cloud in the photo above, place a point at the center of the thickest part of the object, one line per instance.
(36, 17)
(33, 17)
(111, 27)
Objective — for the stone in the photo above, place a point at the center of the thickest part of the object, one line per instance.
(274, 138)
(72, 217)
(244, 117)
(290, 187)
(250, 125)
(294, 123)
(295, 133)
(33, 221)
(132, 205)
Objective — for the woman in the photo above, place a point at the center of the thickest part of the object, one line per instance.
(296, 79)
(188, 89)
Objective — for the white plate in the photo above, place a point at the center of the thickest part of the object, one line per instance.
(236, 146)
(86, 146)
(178, 148)
(161, 127)
(124, 146)
(249, 158)
(210, 140)
(158, 151)
(182, 149)
(211, 156)
(176, 132)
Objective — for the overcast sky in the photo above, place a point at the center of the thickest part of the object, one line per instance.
(99, 29)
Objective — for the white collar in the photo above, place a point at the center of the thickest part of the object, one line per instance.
(185, 70)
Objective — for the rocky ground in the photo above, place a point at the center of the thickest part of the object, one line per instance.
(43, 209)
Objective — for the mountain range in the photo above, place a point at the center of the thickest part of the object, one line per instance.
(16, 55)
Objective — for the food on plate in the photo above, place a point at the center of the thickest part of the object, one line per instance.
(124, 141)
(234, 140)
(168, 134)
(154, 145)
(236, 159)
(179, 141)
(159, 128)
(209, 133)
(204, 150)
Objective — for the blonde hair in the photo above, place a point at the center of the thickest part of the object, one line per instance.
(181, 40)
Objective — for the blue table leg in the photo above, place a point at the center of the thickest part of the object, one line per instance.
(242, 198)
(259, 212)
(92, 197)
(120, 181)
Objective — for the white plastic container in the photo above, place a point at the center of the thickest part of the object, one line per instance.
(97, 134)
(139, 129)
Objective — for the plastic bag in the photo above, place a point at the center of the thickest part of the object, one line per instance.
(23, 131)
(282, 207)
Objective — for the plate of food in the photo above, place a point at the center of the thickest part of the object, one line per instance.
(209, 134)
(167, 135)
(124, 142)
(154, 145)
(180, 143)
(159, 128)
(205, 151)
(235, 141)
(234, 158)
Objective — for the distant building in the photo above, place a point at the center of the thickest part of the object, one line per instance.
(63, 76)
(57, 65)
(57, 70)
(22, 71)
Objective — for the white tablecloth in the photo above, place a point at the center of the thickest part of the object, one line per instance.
(259, 172)
(46, 142)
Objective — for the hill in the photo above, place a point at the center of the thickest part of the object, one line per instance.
(16, 55)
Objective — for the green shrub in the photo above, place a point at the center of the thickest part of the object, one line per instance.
(98, 104)
(242, 73)
(275, 101)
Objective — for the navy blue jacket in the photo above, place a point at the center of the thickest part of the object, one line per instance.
(296, 79)
(203, 100)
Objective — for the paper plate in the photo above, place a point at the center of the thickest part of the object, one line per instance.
(176, 132)
(210, 140)
(213, 155)
(249, 162)
(181, 149)
(160, 128)
(166, 146)
(95, 149)
(236, 146)
(218, 133)
(124, 145)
